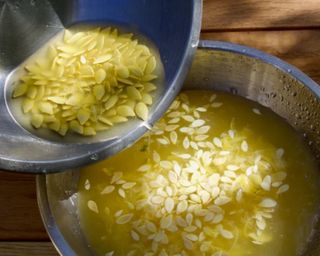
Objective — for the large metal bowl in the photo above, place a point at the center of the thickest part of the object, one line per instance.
(219, 66)
(25, 25)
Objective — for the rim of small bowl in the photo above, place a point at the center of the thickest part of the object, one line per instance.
(50, 224)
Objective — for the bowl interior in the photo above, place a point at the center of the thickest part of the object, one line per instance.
(218, 66)
(26, 25)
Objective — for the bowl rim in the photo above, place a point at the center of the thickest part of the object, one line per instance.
(50, 224)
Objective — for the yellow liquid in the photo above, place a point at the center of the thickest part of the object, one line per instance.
(286, 227)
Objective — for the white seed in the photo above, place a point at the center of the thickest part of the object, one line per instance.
(219, 160)
(280, 152)
(268, 203)
(261, 224)
(181, 222)
(135, 236)
(226, 234)
(186, 143)
(157, 199)
(188, 118)
(144, 168)
(169, 204)
(203, 129)
(128, 185)
(182, 206)
(244, 146)
(191, 237)
(156, 156)
(239, 195)
(92, 205)
(173, 137)
(109, 253)
(256, 111)
(212, 97)
(231, 133)
(116, 176)
(216, 104)
(232, 167)
(283, 189)
(217, 142)
(123, 219)
(122, 193)
(118, 213)
(189, 218)
(188, 244)
(166, 222)
(170, 128)
(87, 184)
(217, 218)
(197, 123)
(108, 189)
(266, 183)
(173, 177)
(222, 200)
(163, 141)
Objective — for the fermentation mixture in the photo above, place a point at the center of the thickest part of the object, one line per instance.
(217, 175)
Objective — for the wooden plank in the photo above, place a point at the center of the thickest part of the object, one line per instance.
(253, 14)
(27, 248)
(19, 214)
(299, 48)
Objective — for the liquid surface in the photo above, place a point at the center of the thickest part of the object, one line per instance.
(85, 81)
(217, 175)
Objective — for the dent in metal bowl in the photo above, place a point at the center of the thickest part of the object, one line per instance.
(25, 25)
(219, 66)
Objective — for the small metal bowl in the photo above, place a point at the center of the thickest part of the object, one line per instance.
(217, 66)
(25, 25)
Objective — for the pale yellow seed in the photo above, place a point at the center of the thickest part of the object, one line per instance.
(124, 219)
(20, 90)
(142, 111)
(108, 189)
(125, 110)
(100, 75)
(83, 116)
(134, 93)
(37, 120)
(102, 58)
(92, 205)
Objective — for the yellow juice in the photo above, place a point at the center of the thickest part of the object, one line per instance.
(217, 175)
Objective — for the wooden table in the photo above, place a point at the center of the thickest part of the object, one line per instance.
(289, 29)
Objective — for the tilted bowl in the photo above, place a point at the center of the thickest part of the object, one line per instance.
(25, 25)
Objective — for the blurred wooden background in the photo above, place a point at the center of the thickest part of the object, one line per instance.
(289, 29)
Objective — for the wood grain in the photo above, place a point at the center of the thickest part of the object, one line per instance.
(299, 48)
(27, 249)
(19, 214)
(253, 14)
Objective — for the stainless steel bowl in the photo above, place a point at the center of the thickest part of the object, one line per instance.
(219, 66)
(25, 25)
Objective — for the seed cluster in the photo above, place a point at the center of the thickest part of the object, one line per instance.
(88, 81)
(201, 197)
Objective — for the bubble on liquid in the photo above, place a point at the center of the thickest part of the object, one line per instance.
(94, 157)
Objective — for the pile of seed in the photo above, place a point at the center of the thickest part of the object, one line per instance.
(88, 81)
(203, 194)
